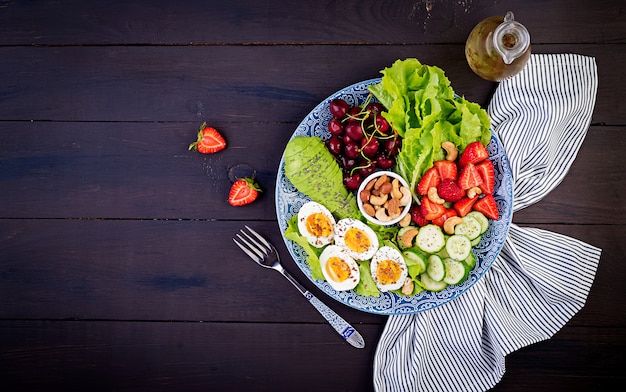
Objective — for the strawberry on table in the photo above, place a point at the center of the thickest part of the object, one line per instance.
(487, 205)
(243, 191)
(474, 153)
(487, 174)
(209, 140)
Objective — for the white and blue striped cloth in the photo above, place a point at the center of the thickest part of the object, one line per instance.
(540, 279)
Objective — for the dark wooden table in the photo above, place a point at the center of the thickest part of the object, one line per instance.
(117, 269)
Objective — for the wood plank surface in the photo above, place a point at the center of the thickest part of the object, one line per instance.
(199, 22)
(117, 269)
(220, 84)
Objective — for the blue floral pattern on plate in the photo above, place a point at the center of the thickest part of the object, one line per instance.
(289, 200)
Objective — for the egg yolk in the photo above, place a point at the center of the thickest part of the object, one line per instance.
(388, 271)
(319, 225)
(357, 240)
(338, 270)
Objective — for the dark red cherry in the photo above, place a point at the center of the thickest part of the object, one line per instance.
(338, 107)
(335, 127)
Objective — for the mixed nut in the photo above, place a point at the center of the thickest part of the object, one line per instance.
(384, 198)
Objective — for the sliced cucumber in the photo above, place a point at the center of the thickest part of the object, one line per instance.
(476, 240)
(415, 261)
(436, 268)
(481, 218)
(458, 247)
(456, 271)
(470, 227)
(430, 239)
(470, 261)
(431, 285)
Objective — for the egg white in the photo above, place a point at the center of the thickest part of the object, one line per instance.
(345, 231)
(389, 255)
(308, 210)
(354, 274)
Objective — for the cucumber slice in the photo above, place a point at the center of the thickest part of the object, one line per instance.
(430, 239)
(431, 285)
(470, 227)
(458, 247)
(456, 271)
(476, 240)
(436, 268)
(481, 218)
(470, 261)
(415, 262)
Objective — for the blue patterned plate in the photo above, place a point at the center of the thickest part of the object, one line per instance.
(289, 201)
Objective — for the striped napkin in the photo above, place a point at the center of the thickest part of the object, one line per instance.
(541, 116)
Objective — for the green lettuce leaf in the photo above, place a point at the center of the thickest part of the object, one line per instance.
(292, 233)
(366, 286)
(424, 110)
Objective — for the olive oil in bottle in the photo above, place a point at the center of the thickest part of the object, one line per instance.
(498, 48)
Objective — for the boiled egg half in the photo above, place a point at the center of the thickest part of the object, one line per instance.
(339, 269)
(316, 224)
(388, 269)
(358, 239)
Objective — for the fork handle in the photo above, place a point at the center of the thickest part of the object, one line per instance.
(343, 328)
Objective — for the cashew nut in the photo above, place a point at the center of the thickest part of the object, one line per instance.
(408, 237)
(451, 149)
(408, 286)
(473, 192)
(406, 196)
(405, 221)
(381, 215)
(434, 196)
(378, 200)
(448, 225)
(393, 206)
(395, 189)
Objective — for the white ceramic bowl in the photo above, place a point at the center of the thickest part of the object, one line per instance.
(374, 176)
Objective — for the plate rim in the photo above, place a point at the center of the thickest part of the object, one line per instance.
(406, 301)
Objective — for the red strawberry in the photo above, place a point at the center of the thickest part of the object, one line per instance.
(469, 177)
(487, 205)
(464, 206)
(432, 210)
(449, 190)
(417, 217)
(209, 140)
(244, 191)
(429, 179)
(487, 174)
(474, 152)
(450, 212)
(446, 169)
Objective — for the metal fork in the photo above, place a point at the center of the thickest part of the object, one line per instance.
(265, 255)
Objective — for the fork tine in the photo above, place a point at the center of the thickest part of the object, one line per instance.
(254, 256)
(254, 245)
(259, 237)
